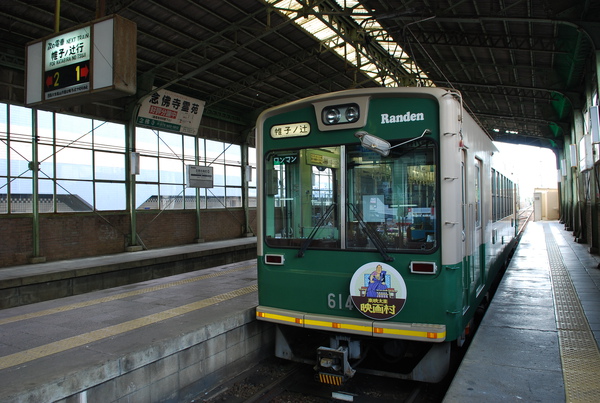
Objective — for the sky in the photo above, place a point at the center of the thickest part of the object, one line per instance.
(531, 167)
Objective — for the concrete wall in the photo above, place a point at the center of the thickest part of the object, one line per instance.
(26, 285)
(173, 370)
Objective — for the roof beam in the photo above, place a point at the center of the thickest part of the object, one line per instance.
(540, 44)
(530, 92)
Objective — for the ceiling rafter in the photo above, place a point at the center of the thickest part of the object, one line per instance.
(524, 43)
(521, 60)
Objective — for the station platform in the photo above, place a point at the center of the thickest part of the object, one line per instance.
(538, 341)
(27, 284)
(164, 339)
(170, 338)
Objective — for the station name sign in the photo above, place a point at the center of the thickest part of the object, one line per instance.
(199, 176)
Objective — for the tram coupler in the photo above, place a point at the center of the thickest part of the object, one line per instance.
(332, 365)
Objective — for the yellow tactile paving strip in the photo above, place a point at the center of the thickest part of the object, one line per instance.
(86, 338)
(578, 349)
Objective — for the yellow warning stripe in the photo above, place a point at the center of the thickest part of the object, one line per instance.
(84, 304)
(367, 328)
(339, 325)
(280, 318)
(111, 331)
(410, 333)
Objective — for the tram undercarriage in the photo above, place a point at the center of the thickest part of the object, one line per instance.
(338, 357)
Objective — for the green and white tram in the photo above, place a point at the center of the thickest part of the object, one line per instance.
(381, 226)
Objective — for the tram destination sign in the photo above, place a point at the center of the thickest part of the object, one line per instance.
(91, 62)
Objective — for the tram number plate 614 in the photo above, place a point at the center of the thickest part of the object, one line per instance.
(337, 301)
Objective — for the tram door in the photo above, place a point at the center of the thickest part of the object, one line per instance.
(472, 230)
(477, 230)
(466, 278)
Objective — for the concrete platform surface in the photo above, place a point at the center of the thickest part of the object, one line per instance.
(152, 341)
(522, 351)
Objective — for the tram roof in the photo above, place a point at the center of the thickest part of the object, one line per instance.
(520, 64)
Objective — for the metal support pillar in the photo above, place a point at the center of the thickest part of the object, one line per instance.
(130, 183)
(246, 177)
(594, 243)
(579, 202)
(198, 190)
(35, 196)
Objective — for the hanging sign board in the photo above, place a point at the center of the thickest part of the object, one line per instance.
(67, 64)
(92, 62)
(166, 110)
(199, 176)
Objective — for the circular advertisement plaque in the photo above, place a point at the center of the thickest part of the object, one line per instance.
(378, 291)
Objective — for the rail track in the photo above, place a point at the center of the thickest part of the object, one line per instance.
(524, 216)
(280, 381)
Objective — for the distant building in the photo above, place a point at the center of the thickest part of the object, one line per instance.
(177, 202)
(545, 204)
(23, 203)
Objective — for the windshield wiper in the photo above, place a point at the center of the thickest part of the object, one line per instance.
(373, 235)
(313, 233)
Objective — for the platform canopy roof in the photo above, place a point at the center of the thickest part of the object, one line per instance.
(520, 64)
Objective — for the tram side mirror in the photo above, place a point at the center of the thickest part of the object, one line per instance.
(374, 143)
(379, 145)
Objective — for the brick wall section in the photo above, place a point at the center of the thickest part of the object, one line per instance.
(70, 236)
(169, 228)
(221, 223)
(64, 236)
(16, 240)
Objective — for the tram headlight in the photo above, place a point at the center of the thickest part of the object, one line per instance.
(331, 116)
(352, 114)
(340, 114)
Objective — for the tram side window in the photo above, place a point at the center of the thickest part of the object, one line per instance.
(301, 197)
(494, 196)
(478, 164)
(502, 196)
(392, 199)
(505, 201)
(510, 197)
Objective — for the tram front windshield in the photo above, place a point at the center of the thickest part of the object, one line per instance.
(348, 197)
